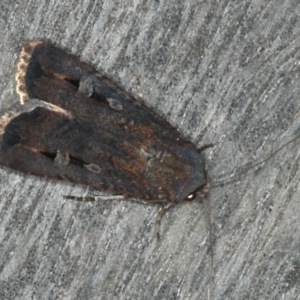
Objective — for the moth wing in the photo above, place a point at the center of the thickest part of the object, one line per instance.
(94, 133)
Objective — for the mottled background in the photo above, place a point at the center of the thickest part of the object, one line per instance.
(222, 72)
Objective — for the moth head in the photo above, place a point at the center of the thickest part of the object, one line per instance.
(199, 193)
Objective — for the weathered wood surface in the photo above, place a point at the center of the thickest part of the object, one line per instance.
(223, 72)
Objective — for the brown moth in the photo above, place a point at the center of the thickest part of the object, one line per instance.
(76, 125)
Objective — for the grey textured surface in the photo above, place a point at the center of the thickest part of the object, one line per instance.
(223, 72)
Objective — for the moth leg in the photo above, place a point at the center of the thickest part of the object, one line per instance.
(160, 215)
(204, 147)
(204, 191)
(96, 198)
(202, 195)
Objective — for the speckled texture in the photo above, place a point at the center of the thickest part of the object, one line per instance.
(223, 72)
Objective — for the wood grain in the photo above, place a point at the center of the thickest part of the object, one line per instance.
(222, 72)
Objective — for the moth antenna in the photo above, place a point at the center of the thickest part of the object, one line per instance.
(215, 182)
(159, 217)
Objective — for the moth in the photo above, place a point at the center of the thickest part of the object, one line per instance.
(76, 125)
